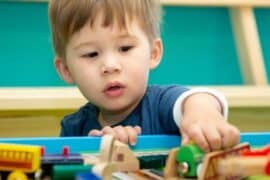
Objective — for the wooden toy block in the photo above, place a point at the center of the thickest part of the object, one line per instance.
(170, 170)
(250, 162)
(114, 156)
(104, 170)
(124, 158)
(106, 148)
(209, 167)
(243, 166)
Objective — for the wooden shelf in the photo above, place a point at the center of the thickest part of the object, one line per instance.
(41, 109)
(23, 99)
(246, 96)
(40, 98)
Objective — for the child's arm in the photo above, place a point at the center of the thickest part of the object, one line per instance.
(203, 120)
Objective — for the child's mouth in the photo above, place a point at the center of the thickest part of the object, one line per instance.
(114, 90)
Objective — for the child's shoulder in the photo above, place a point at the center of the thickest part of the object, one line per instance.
(81, 114)
(80, 122)
(163, 94)
(160, 89)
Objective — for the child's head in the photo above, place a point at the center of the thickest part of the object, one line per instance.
(69, 16)
(107, 47)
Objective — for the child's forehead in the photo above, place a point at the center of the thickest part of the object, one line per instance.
(116, 22)
(113, 31)
(116, 26)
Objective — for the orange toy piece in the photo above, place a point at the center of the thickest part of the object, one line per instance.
(257, 152)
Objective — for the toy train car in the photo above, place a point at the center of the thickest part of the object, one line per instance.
(22, 162)
(235, 163)
(19, 160)
(189, 160)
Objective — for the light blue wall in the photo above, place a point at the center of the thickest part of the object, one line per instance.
(198, 43)
(25, 46)
(199, 47)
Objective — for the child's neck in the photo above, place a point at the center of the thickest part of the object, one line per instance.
(108, 118)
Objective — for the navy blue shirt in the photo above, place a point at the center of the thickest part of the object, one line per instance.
(154, 114)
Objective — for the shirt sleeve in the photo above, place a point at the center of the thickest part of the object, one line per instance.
(166, 99)
(178, 106)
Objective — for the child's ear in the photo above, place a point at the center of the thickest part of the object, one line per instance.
(156, 53)
(63, 70)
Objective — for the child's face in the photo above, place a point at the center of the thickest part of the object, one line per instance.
(110, 66)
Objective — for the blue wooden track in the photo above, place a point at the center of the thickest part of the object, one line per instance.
(144, 143)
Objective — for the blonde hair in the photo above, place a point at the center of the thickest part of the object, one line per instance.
(69, 16)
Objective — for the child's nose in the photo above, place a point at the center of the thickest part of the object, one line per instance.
(111, 65)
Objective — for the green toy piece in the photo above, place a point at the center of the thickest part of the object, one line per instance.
(189, 158)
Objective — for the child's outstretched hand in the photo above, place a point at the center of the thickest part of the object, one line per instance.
(204, 124)
(125, 134)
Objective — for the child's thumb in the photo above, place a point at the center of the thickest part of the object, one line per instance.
(185, 138)
(95, 132)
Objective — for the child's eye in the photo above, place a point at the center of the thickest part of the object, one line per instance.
(90, 55)
(125, 48)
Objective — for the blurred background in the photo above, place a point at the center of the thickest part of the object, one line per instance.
(220, 45)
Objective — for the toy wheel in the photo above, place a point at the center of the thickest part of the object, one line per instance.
(17, 175)
(199, 169)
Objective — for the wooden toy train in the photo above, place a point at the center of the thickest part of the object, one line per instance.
(117, 161)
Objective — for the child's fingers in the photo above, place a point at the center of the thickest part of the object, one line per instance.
(230, 136)
(121, 134)
(126, 134)
(198, 137)
(95, 132)
(108, 130)
(132, 134)
(138, 129)
(213, 137)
